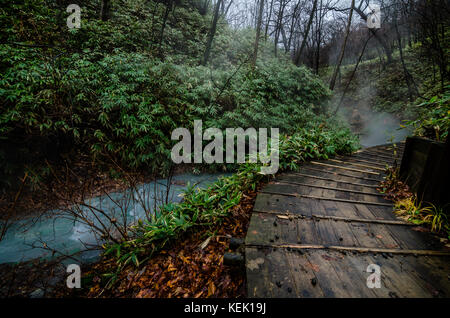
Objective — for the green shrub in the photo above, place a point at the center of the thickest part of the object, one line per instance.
(111, 90)
(275, 94)
(434, 117)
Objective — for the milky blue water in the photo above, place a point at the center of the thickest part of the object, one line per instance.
(25, 238)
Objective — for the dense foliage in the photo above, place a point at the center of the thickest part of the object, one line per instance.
(433, 119)
(114, 90)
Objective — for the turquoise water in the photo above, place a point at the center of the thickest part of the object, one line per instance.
(24, 238)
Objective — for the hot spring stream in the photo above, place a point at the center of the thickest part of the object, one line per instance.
(68, 236)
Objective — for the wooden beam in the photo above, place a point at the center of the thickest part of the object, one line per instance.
(369, 157)
(358, 164)
(344, 168)
(353, 249)
(334, 218)
(341, 174)
(329, 179)
(364, 161)
(375, 154)
(330, 188)
(384, 152)
(324, 198)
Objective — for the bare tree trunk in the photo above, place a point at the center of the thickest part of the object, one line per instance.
(211, 33)
(285, 40)
(163, 27)
(291, 30)
(268, 21)
(319, 19)
(341, 55)
(318, 55)
(412, 91)
(384, 44)
(258, 32)
(228, 8)
(204, 8)
(352, 75)
(279, 25)
(105, 10)
(299, 54)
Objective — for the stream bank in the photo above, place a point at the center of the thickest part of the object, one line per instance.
(185, 268)
(31, 238)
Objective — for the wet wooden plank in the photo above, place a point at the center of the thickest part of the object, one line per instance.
(363, 161)
(355, 176)
(355, 267)
(354, 282)
(327, 278)
(336, 198)
(305, 206)
(344, 234)
(376, 154)
(323, 191)
(267, 229)
(262, 230)
(429, 272)
(257, 272)
(339, 209)
(296, 184)
(321, 225)
(395, 281)
(347, 168)
(367, 198)
(313, 178)
(336, 175)
(307, 232)
(412, 239)
(277, 203)
(358, 165)
(304, 276)
(270, 273)
(365, 156)
(377, 212)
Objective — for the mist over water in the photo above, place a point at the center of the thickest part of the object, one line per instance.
(374, 128)
(382, 128)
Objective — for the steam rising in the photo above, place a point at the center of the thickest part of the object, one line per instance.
(372, 127)
(381, 128)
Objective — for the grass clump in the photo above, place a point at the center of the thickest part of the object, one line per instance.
(418, 213)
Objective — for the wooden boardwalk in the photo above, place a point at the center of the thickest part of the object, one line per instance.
(313, 233)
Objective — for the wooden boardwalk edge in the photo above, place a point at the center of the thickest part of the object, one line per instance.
(314, 232)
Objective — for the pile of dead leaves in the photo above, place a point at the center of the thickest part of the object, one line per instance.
(393, 188)
(191, 267)
(33, 278)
